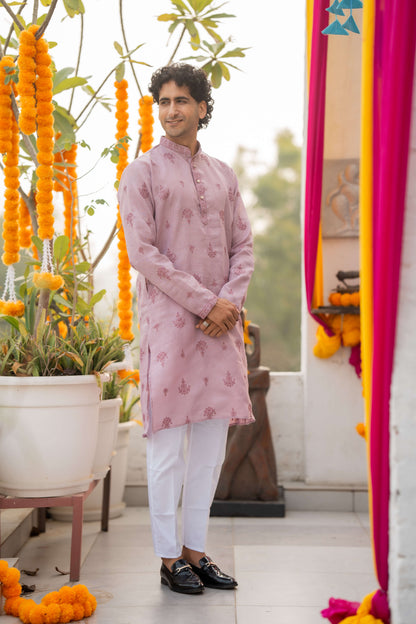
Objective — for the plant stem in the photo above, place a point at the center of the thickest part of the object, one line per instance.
(5, 5)
(11, 31)
(177, 45)
(35, 11)
(47, 19)
(93, 97)
(120, 5)
(81, 39)
(105, 247)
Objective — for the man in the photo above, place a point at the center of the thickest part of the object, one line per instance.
(188, 236)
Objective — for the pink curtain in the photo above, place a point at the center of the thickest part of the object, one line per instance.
(315, 144)
(395, 41)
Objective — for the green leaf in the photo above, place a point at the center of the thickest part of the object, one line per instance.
(37, 243)
(202, 4)
(46, 2)
(167, 17)
(62, 74)
(216, 75)
(69, 83)
(191, 28)
(82, 267)
(97, 297)
(225, 70)
(118, 47)
(74, 7)
(11, 320)
(181, 6)
(60, 247)
(120, 71)
(218, 16)
(174, 25)
(65, 124)
(236, 52)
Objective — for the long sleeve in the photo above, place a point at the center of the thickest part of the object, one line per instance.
(241, 255)
(137, 215)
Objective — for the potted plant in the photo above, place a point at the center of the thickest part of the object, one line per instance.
(120, 397)
(50, 389)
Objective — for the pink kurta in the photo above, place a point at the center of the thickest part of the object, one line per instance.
(189, 238)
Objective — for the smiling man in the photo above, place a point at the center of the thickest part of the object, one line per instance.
(189, 238)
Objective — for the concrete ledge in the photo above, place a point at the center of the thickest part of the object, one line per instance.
(299, 496)
(16, 526)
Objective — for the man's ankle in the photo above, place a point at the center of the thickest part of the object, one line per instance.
(169, 562)
(192, 556)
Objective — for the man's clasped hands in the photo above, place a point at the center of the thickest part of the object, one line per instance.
(223, 316)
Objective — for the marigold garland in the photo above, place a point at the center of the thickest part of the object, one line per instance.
(26, 84)
(66, 605)
(124, 306)
(6, 113)
(45, 139)
(25, 225)
(71, 194)
(9, 139)
(146, 122)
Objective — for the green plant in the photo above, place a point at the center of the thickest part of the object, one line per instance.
(88, 349)
(128, 400)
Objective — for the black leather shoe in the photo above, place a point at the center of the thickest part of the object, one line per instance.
(211, 575)
(181, 579)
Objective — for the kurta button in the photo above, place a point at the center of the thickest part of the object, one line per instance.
(201, 197)
(198, 180)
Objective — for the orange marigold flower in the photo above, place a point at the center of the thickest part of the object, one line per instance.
(79, 611)
(11, 606)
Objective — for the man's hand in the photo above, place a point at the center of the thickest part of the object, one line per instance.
(221, 319)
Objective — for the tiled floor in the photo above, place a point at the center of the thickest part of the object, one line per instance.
(287, 568)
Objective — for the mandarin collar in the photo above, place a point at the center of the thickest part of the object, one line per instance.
(180, 149)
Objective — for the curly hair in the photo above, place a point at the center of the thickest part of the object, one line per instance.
(192, 77)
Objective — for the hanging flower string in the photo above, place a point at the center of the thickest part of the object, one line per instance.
(26, 85)
(70, 193)
(10, 145)
(66, 605)
(25, 225)
(146, 122)
(125, 301)
(44, 171)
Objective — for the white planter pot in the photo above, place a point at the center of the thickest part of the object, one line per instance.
(107, 436)
(92, 505)
(48, 434)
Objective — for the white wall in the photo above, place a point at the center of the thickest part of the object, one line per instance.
(402, 554)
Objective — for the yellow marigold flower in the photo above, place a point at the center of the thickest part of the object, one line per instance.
(47, 280)
(134, 375)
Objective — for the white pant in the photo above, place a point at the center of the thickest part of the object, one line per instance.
(198, 471)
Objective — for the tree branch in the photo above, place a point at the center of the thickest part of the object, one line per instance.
(120, 4)
(177, 46)
(12, 15)
(47, 19)
(35, 11)
(105, 248)
(81, 39)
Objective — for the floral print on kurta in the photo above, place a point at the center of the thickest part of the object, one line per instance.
(189, 237)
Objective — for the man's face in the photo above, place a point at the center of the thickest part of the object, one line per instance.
(179, 113)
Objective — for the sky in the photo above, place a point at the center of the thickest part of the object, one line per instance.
(264, 97)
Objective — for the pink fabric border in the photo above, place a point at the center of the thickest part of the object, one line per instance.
(315, 143)
(395, 45)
